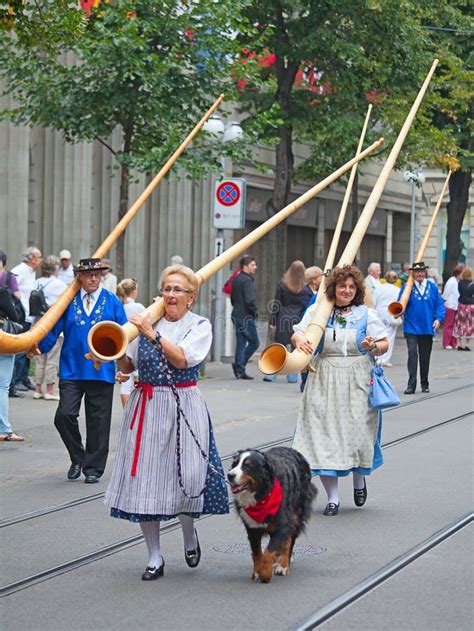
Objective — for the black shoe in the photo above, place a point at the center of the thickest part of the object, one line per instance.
(192, 557)
(20, 387)
(234, 370)
(28, 385)
(245, 376)
(91, 479)
(425, 389)
(74, 471)
(14, 394)
(331, 509)
(360, 496)
(152, 573)
(409, 391)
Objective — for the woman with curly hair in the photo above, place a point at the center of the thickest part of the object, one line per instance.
(337, 431)
(463, 323)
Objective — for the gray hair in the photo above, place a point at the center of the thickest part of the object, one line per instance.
(49, 265)
(372, 266)
(30, 253)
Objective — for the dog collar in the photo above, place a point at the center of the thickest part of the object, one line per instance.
(269, 505)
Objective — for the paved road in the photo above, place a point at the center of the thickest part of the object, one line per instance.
(425, 485)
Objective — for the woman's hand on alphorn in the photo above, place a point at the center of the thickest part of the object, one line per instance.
(122, 377)
(367, 343)
(303, 345)
(144, 325)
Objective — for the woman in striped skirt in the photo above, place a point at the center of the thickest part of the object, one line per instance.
(167, 463)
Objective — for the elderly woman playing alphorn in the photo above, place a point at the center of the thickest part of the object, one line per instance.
(167, 464)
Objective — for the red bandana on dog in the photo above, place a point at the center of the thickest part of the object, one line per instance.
(269, 505)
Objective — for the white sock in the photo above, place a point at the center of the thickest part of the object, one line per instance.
(330, 484)
(151, 532)
(358, 481)
(189, 534)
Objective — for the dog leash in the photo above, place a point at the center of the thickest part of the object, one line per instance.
(180, 413)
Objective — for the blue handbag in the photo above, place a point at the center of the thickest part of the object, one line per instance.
(382, 394)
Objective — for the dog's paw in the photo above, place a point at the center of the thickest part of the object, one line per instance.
(279, 570)
(255, 576)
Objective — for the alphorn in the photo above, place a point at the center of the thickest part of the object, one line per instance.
(342, 213)
(398, 307)
(275, 359)
(108, 340)
(11, 344)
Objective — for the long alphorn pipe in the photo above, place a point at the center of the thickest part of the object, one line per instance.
(398, 307)
(275, 359)
(11, 344)
(108, 340)
(342, 213)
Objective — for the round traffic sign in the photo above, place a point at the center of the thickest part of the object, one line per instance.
(228, 193)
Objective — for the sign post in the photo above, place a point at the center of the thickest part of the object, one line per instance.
(228, 214)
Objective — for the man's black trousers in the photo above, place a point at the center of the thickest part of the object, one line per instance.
(418, 346)
(98, 396)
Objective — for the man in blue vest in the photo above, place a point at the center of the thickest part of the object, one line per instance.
(424, 313)
(78, 378)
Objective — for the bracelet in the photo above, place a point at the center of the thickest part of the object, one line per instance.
(157, 340)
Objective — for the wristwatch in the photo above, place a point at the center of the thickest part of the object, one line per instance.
(156, 339)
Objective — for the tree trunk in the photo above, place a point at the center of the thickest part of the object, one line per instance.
(284, 164)
(459, 184)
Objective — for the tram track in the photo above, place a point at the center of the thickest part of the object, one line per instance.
(170, 526)
(385, 573)
(42, 512)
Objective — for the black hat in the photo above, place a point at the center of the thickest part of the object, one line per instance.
(90, 265)
(419, 266)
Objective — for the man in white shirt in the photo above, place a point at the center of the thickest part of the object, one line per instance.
(25, 273)
(66, 268)
(109, 280)
(372, 280)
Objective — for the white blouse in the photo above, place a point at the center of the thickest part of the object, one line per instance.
(375, 328)
(193, 334)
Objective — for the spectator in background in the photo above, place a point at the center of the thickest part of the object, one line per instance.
(66, 268)
(286, 308)
(313, 276)
(451, 296)
(405, 273)
(176, 259)
(26, 276)
(384, 295)
(127, 291)
(47, 364)
(244, 316)
(372, 280)
(6, 361)
(433, 273)
(463, 322)
(109, 280)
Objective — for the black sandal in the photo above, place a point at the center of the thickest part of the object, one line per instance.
(360, 496)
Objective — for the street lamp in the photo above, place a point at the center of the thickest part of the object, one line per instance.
(415, 177)
(225, 133)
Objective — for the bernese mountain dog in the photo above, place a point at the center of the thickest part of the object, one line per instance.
(273, 494)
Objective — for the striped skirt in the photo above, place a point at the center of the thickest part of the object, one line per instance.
(145, 482)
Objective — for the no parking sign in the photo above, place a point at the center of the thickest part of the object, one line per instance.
(229, 204)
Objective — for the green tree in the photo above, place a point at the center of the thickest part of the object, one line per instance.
(149, 68)
(313, 70)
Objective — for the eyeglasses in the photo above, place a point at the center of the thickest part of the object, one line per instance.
(179, 291)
